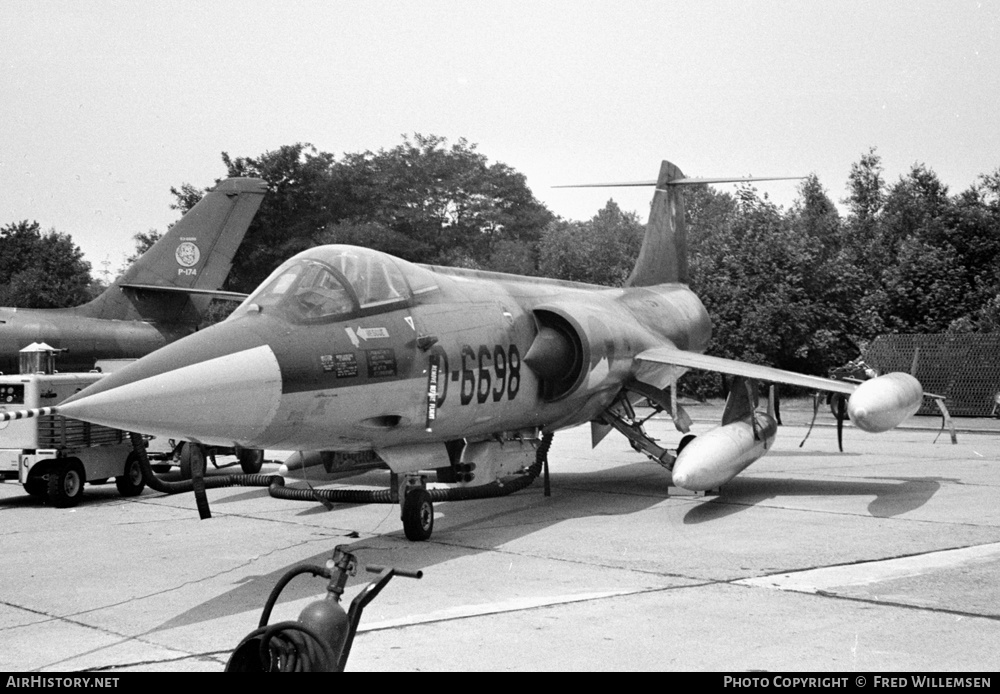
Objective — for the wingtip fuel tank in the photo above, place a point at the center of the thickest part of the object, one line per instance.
(885, 402)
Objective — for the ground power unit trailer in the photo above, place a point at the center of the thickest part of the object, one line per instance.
(54, 456)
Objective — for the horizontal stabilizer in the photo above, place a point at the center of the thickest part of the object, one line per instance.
(215, 293)
(684, 182)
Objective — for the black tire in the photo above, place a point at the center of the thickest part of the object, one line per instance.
(251, 460)
(418, 515)
(66, 482)
(184, 459)
(37, 487)
(130, 482)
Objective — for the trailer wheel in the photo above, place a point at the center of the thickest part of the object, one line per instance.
(36, 486)
(66, 481)
(130, 483)
(251, 460)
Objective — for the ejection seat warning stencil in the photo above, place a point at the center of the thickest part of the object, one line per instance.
(343, 365)
(381, 363)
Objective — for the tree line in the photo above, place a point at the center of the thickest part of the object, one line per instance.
(41, 269)
(804, 288)
(808, 288)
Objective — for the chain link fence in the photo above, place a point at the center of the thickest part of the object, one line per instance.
(965, 368)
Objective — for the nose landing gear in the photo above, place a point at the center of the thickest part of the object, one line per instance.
(416, 509)
(417, 514)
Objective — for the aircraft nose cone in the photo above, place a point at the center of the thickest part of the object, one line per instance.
(224, 400)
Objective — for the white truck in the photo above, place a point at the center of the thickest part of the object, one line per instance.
(53, 456)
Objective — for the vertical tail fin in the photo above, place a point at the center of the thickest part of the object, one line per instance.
(664, 254)
(196, 253)
(663, 257)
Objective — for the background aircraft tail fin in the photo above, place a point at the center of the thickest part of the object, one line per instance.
(195, 254)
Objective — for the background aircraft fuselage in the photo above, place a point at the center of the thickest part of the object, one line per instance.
(161, 297)
(83, 339)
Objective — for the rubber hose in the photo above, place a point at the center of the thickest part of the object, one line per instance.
(303, 649)
(384, 496)
(272, 599)
(283, 647)
(198, 481)
(296, 652)
(154, 482)
(278, 490)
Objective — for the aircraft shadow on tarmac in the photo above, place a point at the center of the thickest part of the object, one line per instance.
(463, 529)
(894, 496)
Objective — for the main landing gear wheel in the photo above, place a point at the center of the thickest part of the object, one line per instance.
(66, 484)
(251, 460)
(418, 515)
(130, 482)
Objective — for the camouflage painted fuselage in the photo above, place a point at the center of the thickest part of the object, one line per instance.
(361, 381)
(82, 339)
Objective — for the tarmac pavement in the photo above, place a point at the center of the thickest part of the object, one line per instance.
(882, 558)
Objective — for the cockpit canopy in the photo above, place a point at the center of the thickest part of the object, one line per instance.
(329, 283)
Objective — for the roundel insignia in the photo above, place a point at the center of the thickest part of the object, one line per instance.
(187, 254)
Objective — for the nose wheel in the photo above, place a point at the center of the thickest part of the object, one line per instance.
(417, 514)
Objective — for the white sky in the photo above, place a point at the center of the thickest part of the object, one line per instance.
(106, 105)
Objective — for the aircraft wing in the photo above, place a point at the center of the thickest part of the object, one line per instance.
(703, 362)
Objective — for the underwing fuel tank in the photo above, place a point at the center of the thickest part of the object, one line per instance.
(713, 459)
(885, 402)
